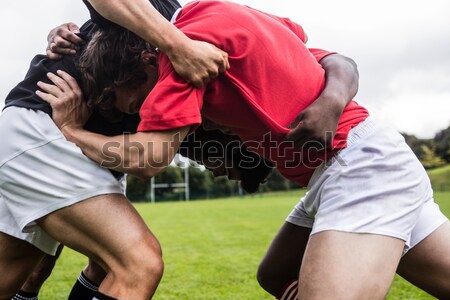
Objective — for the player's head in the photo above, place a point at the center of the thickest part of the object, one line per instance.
(119, 70)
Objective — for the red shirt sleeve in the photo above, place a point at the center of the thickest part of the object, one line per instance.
(172, 103)
(320, 53)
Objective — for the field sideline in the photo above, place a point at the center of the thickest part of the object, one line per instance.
(212, 248)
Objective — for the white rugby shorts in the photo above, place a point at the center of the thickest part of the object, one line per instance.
(41, 172)
(376, 185)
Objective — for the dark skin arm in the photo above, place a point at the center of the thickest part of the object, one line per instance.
(319, 121)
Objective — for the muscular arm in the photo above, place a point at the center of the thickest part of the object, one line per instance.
(143, 154)
(142, 18)
(319, 121)
(197, 62)
(341, 79)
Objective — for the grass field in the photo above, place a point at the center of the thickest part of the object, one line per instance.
(212, 248)
(440, 178)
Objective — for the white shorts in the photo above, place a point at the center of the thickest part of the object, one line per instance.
(376, 185)
(41, 172)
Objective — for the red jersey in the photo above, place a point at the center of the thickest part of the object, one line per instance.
(273, 77)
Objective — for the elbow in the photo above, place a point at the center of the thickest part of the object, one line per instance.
(352, 66)
(150, 168)
(148, 172)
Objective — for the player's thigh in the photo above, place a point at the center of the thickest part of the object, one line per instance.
(17, 260)
(341, 265)
(281, 263)
(427, 265)
(106, 228)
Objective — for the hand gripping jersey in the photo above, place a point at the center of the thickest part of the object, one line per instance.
(273, 77)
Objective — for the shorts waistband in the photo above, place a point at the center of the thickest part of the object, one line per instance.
(357, 133)
(361, 130)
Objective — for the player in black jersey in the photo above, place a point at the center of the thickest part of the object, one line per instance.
(51, 192)
(64, 40)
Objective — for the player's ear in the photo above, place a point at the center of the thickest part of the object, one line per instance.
(149, 57)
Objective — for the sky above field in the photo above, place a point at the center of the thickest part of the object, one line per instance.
(402, 49)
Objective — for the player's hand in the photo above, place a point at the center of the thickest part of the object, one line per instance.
(69, 110)
(199, 62)
(316, 125)
(63, 40)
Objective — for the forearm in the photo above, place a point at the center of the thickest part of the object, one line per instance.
(143, 19)
(133, 154)
(341, 79)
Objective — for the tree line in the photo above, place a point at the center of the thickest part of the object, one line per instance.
(432, 153)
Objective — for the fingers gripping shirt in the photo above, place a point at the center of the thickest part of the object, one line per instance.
(273, 77)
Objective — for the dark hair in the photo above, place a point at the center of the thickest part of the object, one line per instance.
(112, 59)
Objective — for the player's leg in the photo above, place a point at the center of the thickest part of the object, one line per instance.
(89, 280)
(342, 265)
(279, 269)
(17, 260)
(30, 289)
(44, 177)
(365, 210)
(87, 284)
(427, 263)
(108, 229)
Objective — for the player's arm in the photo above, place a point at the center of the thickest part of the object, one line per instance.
(197, 62)
(319, 121)
(144, 154)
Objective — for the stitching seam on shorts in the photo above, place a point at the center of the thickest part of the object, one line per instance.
(111, 189)
(18, 153)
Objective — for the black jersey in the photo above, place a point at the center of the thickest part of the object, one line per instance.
(23, 94)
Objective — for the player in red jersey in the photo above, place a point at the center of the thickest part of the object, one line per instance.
(369, 199)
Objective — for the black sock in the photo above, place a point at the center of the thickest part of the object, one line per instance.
(84, 289)
(21, 295)
(100, 296)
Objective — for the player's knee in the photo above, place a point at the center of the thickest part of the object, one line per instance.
(261, 275)
(266, 279)
(275, 281)
(154, 265)
(145, 261)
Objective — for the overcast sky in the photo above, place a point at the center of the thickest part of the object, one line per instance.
(402, 49)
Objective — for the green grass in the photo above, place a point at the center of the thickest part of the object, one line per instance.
(212, 248)
(440, 178)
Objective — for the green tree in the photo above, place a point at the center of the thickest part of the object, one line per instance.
(430, 159)
(170, 175)
(276, 182)
(200, 183)
(137, 188)
(417, 144)
(223, 187)
(442, 141)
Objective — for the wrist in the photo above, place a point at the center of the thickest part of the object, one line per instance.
(175, 47)
(71, 133)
